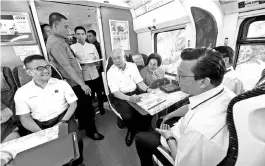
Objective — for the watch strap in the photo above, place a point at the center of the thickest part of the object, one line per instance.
(170, 138)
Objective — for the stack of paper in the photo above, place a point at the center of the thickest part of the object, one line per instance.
(150, 100)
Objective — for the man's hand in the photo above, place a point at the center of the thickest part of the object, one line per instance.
(165, 118)
(134, 98)
(165, 131)
(86, 89)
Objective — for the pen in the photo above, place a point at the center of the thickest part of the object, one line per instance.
(157, 104)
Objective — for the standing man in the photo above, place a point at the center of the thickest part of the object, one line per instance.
(92, 38)
(64, 60)
(45, 102)
(46, 31)
(87, 52)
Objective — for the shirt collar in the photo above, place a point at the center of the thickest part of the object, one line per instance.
(195, 100)
(81, 44)
(229, 69)
(33, 84)
(230, 72)
(126, 67)
(59, 37)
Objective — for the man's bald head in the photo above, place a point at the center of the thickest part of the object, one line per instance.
(118, 58)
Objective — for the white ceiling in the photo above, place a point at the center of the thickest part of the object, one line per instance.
(86, 16)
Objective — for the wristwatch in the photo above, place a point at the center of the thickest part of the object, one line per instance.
(63, 121)
(170, 138)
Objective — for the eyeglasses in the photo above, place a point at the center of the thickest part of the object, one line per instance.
(179, 76)
(41, 68)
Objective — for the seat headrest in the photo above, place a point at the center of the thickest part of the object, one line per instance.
(4, 84)
(138, 59)
(22, 76)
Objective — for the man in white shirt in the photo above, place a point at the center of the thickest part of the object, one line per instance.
(231, 81)
(200, 137)
(86, 52)
(45, 101)
(123, 80)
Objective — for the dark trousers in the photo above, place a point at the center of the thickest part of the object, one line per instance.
(85, 112)
(146, 145)
(131, 118)
(72, 127)
(95, 85)
(101, 84)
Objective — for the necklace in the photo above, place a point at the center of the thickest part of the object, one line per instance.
(199, 105)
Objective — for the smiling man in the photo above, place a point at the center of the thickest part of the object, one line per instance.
(201, 136)
(45, 102)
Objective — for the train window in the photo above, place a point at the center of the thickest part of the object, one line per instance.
(169, 45)
(250, 58)
(256, 29)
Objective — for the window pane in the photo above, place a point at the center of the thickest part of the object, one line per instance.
(256, 29)
(251, 62)
(169, 46)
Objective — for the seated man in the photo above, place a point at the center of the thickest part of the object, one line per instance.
(45, 101)
(123, 80)
(230, 78)
(201, 136)
(8, 128)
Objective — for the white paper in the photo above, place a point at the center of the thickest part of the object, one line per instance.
(90, 61)
(29, 141)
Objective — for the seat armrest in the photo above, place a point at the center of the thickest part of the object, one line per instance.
(166, 153)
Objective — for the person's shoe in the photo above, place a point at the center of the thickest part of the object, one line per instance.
(102, 111)
(120, 124)
(129, 138)
(96, 136)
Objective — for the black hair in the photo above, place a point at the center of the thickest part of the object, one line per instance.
(93, 32)
(225, 52)
(31, 58)
(209, 64)
(43, 26)
(80, 27)
(155, 56)
(55, 17)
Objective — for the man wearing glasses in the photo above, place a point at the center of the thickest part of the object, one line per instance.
(200, 137)
(45, 102)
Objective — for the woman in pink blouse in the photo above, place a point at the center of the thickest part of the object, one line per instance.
(152, 71)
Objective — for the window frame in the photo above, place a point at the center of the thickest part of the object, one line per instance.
(242, 38)
(156, 32)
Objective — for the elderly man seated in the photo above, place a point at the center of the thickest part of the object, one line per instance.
(45, 101)
(123, 80)
(201, 136)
